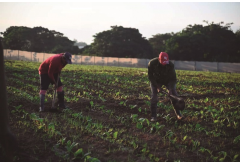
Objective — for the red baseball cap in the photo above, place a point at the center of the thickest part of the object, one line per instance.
(163, 58)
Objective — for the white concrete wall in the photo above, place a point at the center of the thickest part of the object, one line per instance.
(184, 65)
(101, 61)
(112, 61)
(139, 63)
(124, 62)
(229, 67)
(207, 66)
(87, 60)
(26, 56)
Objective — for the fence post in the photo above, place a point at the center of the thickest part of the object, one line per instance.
(217, 66)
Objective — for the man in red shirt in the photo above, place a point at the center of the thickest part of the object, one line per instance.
(49, 72)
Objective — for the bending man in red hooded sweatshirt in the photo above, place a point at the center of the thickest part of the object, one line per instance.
(161, 72)
(49, 71)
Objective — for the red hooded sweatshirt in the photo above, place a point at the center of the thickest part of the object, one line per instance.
(51, 65)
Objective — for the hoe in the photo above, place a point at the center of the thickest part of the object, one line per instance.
(177, 102)
(53, 108)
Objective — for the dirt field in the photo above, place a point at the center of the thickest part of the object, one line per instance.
(108, 117)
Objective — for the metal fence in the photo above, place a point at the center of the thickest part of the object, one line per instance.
(124, 62)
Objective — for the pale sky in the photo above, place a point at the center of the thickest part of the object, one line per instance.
(81, 20)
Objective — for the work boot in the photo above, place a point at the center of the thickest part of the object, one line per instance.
(60, 96)
(153, 119)
(178, 114)
(42, 98)
(153, 112)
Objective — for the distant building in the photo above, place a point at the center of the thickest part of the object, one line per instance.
(80, 47)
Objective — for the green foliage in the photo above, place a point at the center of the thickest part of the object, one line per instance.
(212, 42)
(158, 42)
(120, 123)
(120, 42)
(37, 39)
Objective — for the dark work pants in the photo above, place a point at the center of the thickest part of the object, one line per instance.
(154, 98)
(45, 81)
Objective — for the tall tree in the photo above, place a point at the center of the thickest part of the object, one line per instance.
(17, 38)
(213, 42)
(37, 39)
(158, 42)
(237, 33)
(121, 42)
(42, 39)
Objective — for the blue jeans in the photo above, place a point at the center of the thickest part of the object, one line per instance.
(154, 98)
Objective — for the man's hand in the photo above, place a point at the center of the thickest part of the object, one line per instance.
(159, 89)
(54, 83)
(169, 92)
(55, 86)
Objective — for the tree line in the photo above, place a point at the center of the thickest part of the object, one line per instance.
(37, 39)
(214, 42)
